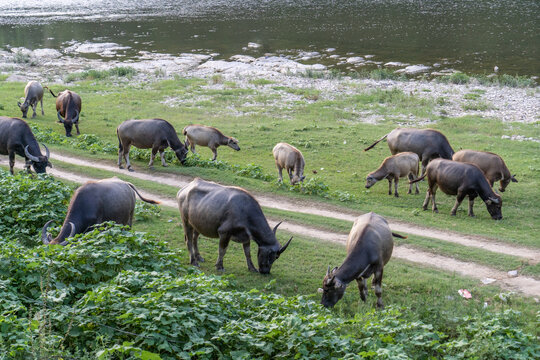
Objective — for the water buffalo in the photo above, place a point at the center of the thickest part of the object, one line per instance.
(428, 144)
(461, 179)
(33, 92)
(68, 109)
(155, 134)
(369, 247)
(208, 136)
(16, 137)
(491, 164)
(291, 159)
(93, 203)
(394, 167)
(227, 212)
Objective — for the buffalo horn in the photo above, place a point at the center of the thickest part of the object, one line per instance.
(65, 242)
(328, 271)
(47, 152)
(76, 117)
(284, 247)
(30, 156)
(275, 227)
(495, 200)
(46, 238)
(60, 118)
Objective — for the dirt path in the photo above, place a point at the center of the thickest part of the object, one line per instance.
(306, 207)
(523, 284)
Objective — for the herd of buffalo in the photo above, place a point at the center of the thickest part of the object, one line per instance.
(229, 212)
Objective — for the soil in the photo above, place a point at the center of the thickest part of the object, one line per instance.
(526, 285)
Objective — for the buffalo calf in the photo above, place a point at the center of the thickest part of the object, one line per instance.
(393, 168)
(291, 159)
(208, 136)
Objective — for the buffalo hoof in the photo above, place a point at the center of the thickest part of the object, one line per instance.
(120, 167)
(200, 258)
(33, 116)
(452, 214)
(195, 263)
(220, 268)
(472, 215)
(130, 169)
(436, 211)
(253, 270)
(151, 167)
(396, 195)
(165, 165)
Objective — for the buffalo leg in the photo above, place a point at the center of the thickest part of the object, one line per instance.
(389, 186)
(224, 239)
(195, 244)
(471, 204)
(188, 237)
(424, 164)
(362, 287)
(120, 156)
(426, 201)
(162, 155)
(459, 199)
(34, 106)
(42, 113)
(280, 171)
(434, 207)
(77, 127)
(214, 151)
(290, 172)
(396, 181)
(191, 145)
(154, 152)
(247, 253)
(126, 157)
(377, 282)
(11, 161)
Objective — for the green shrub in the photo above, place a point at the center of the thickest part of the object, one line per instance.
(28, 201)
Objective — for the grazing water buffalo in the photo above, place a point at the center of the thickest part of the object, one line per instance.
(68, 109)
(461, 179)
(155, 134)
(491, 164)
(33, 92)
(291, 159)
(16, 137)
(93, 203)
(208, 136)
(428, 144)
(227, 212)
(369, 247)
(394, 167)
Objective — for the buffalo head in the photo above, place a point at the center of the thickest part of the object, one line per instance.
(181, 153)
(68, 122)
(505, 182)
(24, 108)
(40, 162)
(268, 254)
(332, 290)
(370, 181)
(233, 143)
(47, 239)
(494, 207)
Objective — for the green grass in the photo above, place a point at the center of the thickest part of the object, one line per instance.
(329, 134)
(101, 74)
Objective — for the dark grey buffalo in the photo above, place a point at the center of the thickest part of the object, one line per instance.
(369, 247)
(94, 203)
(227, 212)
(33, 92)
(461, 179)
(155, 134)
(428, 144)
(16, 137)
(491, 164)
(68, 109)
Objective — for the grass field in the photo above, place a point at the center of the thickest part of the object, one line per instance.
(325, 128)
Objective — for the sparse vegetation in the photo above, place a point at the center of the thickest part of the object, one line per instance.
(92, 74)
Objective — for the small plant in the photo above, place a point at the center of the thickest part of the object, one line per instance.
(145, 211)
(216, 79)
(261, 82)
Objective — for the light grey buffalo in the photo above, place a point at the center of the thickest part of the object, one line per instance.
(227, 212)
(16, 138)
(33, 92)
(369, 247)
(155, 134)
(94, 203)
(208, 136)
(393, 168)
(428, 144)
(291, 159)
(492, 165)
(460, 179)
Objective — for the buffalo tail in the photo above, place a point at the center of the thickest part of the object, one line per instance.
(375, 143)
(399, 236)
(50, 91)
(418, 179)
(140, 196)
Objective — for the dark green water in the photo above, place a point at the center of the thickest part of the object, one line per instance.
(467, 35)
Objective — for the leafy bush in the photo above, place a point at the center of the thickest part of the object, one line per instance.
(28, 201)
(145, 211)
(455, 78)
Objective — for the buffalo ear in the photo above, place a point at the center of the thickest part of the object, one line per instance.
(302, 178)
(334, 270)
(491, 200)
(49, 164)
(513, 178)
(18, 103)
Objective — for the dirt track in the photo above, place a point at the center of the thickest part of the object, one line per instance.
(526, 285)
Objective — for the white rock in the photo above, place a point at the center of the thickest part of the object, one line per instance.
(487, 281)
(513, 273)
(395, 63)
(334, 56)
(46, 53)
(330, 49)
(253, 45)
(369, 56)
(243, 58)
(355, 60)
(415, 69)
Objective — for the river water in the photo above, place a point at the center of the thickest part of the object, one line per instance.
(467, 35)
